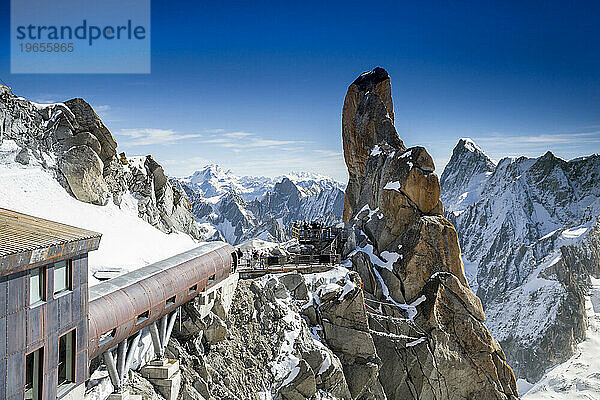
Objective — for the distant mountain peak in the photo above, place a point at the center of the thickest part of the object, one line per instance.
(468, 145)
(529, 235)
(464, 174)
(240, 208)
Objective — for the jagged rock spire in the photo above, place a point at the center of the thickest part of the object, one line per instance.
(367, 120)
(409, 256)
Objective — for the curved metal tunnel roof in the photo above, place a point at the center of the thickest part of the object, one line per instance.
(131, 277)
(122, 306)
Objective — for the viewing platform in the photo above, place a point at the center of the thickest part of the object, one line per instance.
(303, 264)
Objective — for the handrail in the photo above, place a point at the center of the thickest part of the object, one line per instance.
(293, 259)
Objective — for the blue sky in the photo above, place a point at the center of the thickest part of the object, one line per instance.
(258, 87)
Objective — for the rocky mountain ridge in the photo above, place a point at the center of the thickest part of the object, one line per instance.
(238, 209)
(70, 140)
(530, 238)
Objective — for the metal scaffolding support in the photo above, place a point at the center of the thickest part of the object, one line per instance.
(172, 319)
(155, 340)
(119, 367)
(121, 357)
(112, 370)
(163, 334)
(131, 351)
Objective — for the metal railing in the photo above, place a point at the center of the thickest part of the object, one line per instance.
(291, 260)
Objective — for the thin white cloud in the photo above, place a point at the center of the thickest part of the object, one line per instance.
(185, 166)
(153, 136)
(329, 153)
(216, 140)
(47, 98)
(240, 134)
(241, 140)
(102, 108)
(575, 138)
(104, 111)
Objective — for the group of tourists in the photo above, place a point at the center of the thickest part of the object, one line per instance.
(256, 258)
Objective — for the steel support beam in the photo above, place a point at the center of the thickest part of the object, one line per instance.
(112, 370)
(121, 357)
(163, 333)
(155, 340)
(172, 319)
(131, 352)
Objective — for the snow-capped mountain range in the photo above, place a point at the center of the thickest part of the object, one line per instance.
(240, 208)
(529, 233)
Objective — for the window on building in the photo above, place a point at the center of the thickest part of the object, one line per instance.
(106, 337)
(211, 279)
(142, 317)
(33, 375)
(66, 359)
(193, 289)
(62, 276)
(37, 286)
(170, 302)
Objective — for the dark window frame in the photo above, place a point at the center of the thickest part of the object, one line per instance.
(170, 302)
(40, 393)
(43, 286)
(111, 335)
(193, 289)
(211, 279)
(69, 288)
(62, 386)
(143, 317)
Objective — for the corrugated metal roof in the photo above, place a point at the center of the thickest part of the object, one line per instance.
(21, 232)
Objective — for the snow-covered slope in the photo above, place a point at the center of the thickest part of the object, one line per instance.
(213, 181)
(128, 242)
(528, 230)
(578, 378)
(242, 208)
(60, 162)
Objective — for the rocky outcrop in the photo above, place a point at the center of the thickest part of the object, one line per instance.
(287, 336)
(86, 120)
(426, 322)
(70, 140)
(367, 119)
(529, 233)
(82, 168)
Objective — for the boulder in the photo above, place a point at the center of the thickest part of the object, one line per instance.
(300, 384)
(82, 169)
(216, 329)
(86, 120)
(81, 139)
(22, 156)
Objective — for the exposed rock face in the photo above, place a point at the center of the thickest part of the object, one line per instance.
(70, 140)
(286, 337)
(86, 120)
(367, 119)
(529, 231)
(82, 168)
(426, 322)
(464, 175)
